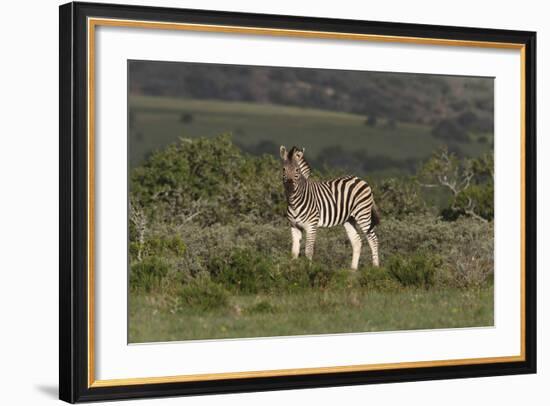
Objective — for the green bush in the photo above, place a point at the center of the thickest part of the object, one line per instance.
(244, 270)
(158, 245)
(209, 181)
(417, 270)
(482, 197)
(377, 278)
(203, 294)
(250, 272)
(251, 258)
(470, 265)
(324, 277)
(148, 274)
(299, 274)
(293, 274)
(399, 197)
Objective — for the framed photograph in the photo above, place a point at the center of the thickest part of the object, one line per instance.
(258, 202)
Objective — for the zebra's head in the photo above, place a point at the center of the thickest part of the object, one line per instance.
(292, 167)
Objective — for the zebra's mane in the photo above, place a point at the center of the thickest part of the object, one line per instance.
(302, 163)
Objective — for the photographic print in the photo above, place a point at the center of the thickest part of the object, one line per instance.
(283, 201)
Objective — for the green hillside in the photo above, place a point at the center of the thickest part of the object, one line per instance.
(259, 128)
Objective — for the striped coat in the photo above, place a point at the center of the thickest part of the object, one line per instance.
(346, 201)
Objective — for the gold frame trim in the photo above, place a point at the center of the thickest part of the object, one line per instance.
(94, 22)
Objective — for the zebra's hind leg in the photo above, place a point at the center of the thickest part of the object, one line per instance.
(364, 224)
(373, 244)
(355, 240)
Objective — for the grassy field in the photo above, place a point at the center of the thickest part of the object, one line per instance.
(158, 121)
(157, 318)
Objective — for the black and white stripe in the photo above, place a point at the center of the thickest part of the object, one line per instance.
(346, 201)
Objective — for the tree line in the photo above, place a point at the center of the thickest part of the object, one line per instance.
(452, 105)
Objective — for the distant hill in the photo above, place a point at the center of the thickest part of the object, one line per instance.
(451, 105)
(333, 139)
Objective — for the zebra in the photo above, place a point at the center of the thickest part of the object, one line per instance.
(311, 204)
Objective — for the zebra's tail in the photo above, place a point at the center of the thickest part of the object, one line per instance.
(375, 216)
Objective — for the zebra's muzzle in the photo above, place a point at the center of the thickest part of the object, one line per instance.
(289, 187)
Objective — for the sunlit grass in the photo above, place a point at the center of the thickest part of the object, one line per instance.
(157, 318)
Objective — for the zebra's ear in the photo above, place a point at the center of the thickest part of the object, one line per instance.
(284, 154)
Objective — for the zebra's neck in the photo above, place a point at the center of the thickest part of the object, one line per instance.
(295, 195)
(304, 167)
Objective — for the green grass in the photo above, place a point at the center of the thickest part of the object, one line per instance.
(157, 122)
(154, 317)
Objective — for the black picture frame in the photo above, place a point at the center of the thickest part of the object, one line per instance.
(73, 284)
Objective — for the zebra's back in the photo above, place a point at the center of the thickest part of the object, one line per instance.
(342, 198)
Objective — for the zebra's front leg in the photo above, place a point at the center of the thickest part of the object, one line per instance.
(296, 238)
(311, 233)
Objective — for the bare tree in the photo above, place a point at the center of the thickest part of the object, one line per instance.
(445, 170)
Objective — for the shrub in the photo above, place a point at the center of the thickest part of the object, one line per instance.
(253, 258)
(208, 181)
(319, 275)
(377, 278)
(478, 199)
(203, 294)
(250, 272)
(471, 261)
(244, 270)
(417, 270)
(399, 197)
(465, 246)
(293, 275)
(158, 245)
(467, 119)
(147, 274)
(483, 139)
(340, 279)
(450, 129)
(186, 118)
(299, 274)
(371, 120)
